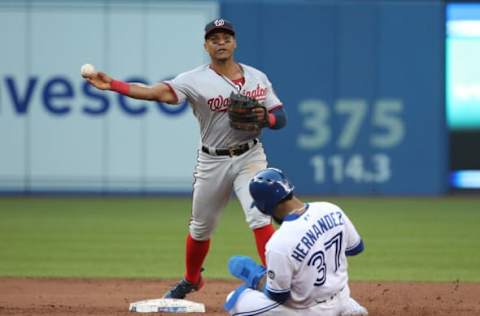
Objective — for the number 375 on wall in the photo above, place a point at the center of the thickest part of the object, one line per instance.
(386, 129)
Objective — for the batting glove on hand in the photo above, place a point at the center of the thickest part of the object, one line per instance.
(246, 269)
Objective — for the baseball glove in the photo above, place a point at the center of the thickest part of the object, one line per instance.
(246, 113)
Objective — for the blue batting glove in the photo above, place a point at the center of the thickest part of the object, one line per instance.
(246, 269)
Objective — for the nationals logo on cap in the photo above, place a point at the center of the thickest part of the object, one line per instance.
(219, 25)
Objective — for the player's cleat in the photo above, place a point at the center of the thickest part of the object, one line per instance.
(182, 288)
(352, 308)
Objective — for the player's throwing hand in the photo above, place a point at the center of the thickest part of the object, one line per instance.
(100, 80)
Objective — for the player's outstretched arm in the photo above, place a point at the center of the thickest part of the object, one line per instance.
(158, 92)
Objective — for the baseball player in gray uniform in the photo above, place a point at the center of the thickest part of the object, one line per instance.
(306, 272)
(228, 157)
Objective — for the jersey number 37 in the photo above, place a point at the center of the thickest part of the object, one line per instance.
(317, 259)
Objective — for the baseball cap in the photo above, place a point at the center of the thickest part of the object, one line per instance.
(219, 25)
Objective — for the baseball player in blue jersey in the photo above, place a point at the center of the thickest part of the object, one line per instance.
(306, 271)
(228, 156)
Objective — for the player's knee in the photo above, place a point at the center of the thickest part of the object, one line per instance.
(255, 222)
(200, 232)
(229, 296)
(200, 235)
(232, 310)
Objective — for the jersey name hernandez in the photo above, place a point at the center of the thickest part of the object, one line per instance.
(317, 229)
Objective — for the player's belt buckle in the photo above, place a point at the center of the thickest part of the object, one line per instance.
(238, 150)
(231, 151)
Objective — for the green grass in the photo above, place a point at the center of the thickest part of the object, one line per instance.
(423, 239)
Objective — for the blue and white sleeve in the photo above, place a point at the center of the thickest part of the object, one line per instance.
(354, 241)
(279, 277)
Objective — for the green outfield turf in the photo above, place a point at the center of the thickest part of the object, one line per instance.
(424, 239)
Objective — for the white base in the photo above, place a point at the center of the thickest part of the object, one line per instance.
(168, 305)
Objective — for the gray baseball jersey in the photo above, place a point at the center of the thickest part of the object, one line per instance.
(208, 93)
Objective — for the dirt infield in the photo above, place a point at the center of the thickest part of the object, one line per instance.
(24, 296)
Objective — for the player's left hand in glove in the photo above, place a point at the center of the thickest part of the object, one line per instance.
(246, 113)
(246, 269)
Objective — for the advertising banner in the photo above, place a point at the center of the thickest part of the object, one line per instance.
(58, 133)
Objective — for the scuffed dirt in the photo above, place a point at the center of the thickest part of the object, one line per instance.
(31, 296)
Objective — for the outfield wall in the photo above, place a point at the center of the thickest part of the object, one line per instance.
(362, 83)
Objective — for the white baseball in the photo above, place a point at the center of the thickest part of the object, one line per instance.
(87, 70)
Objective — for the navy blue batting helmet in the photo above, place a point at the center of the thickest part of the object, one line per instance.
(268, 188)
